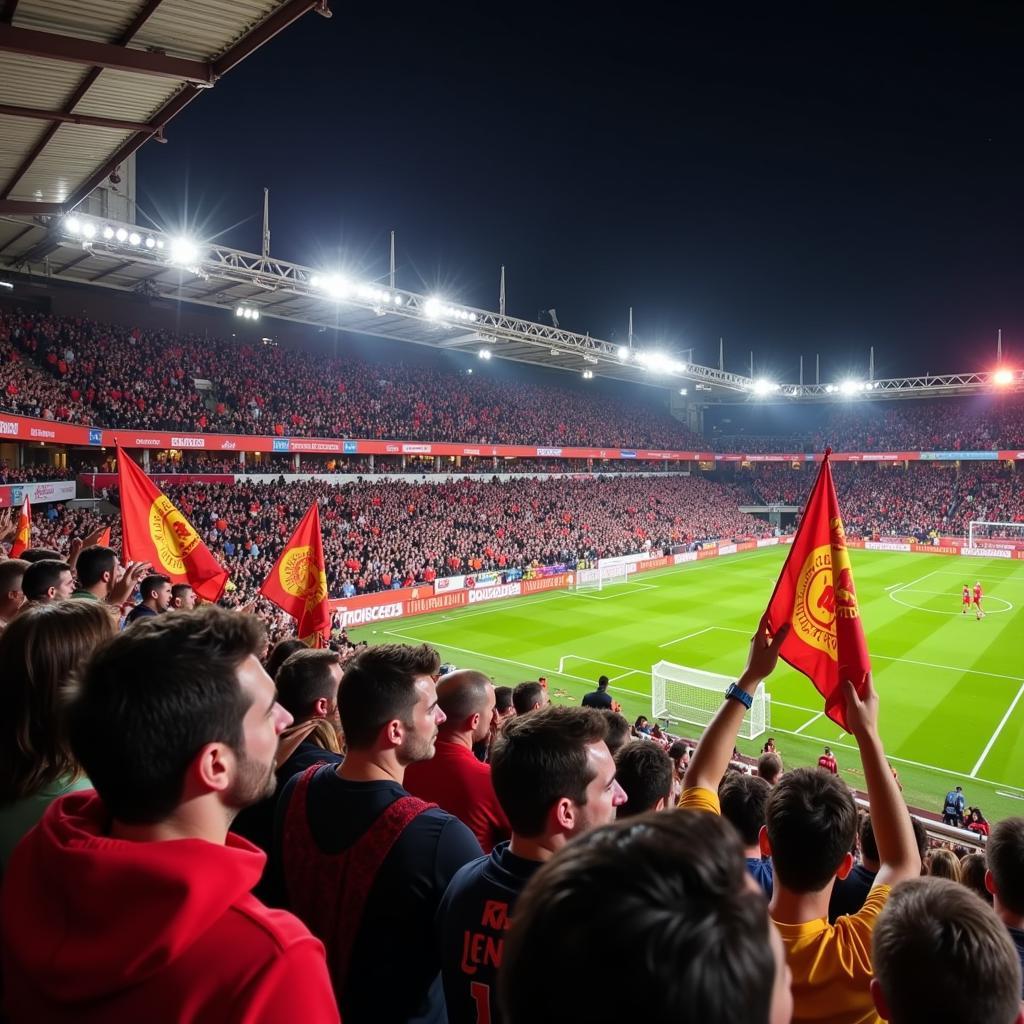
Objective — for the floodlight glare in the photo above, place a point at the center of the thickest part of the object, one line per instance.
(72, 225)
(88, 229)
(255, 314)
(135, 238)
(765, 387)
(1003, 377)
(850, 387)
(588, 374)
(485, 353)
(150, 242)
(239, 311)
(623, 353)
(108, 232)
(122, 235)
(432, 308)
(682, 391)
(183, 251)
(159, 243)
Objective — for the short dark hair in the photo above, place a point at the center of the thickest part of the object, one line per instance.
(662, 896)
(744, 799)
(769, 767)
(305, 678)
(812, 822)
(602, 682)
(525, 696)
(502, 699)
(93, 562)
(379, 686)
(537, 759)
(866, 834)
(40, 554)
(618, 731)
(972, 875)
(42, 575)
(152, 698)
(151, 584)
(644, 771)
(179, 589)
(941, 954)
(281, 652)
(12, 573)
(1004, 853)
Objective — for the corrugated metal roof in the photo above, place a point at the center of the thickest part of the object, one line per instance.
(74, 158)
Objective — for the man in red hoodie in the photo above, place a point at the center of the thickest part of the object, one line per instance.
(132, 903)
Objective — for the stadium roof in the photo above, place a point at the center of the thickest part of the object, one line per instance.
(85, 83)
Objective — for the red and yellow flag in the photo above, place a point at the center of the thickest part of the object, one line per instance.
(298, 582)
(154, 530)
(815, 594)
(104, 540)
(23, 538)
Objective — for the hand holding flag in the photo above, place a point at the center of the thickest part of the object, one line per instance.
(816, 595)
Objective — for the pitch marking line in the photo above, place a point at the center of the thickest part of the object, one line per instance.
(999, 729)
(596, 661)
(810, 721)
(943, 611)
(920, 579)
(690, 636)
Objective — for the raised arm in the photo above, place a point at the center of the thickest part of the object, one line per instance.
(711, 757)
(890, 819)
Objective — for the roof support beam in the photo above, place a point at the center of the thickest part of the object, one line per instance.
(35, 114)
(113, 269)
(7, 10)
(51, 46)
(17, 238)
(26, 206)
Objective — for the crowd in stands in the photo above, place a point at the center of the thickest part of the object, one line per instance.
(77, 370)
(194, 827)
(39, 472)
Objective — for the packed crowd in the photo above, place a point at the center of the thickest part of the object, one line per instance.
(77, 370)
(379, 535)
(194, 827)
(40, 472)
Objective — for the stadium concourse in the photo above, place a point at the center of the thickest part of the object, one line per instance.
(173, 729)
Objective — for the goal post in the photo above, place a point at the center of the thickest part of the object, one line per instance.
(983, 533)
(600, 576)
(693, 696)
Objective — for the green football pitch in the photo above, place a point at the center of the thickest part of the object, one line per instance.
(951, 687)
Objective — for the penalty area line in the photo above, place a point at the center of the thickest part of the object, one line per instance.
(999, 729)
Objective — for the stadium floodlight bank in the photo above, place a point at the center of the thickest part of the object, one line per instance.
(693, 696)
(600, 577)
(986, 535)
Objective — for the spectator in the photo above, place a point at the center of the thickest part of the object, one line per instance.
(942, 863)
(666, 899)
(155, 591)
(453, 778)
(972, 876)
(828, 763)
(364, 863)
(34, 555)
(599, 698)
(176, 726)
(744, 799)
(769, 768)
(680, 755)
(940, 954)
(307, 688)
(529, 696)
(644, 771)
(977, 822)
(12, 597)
(618, 732)
(555, 779)
(281, 652)
(503, 706)
(46, 580)
(1004, 853)
(101, 577)
(41, 652)
(183, 597)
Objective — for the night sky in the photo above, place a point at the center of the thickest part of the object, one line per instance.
(794, 183)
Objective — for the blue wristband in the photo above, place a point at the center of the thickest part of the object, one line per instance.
(737, 694)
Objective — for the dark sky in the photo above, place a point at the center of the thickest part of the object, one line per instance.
(796, 183)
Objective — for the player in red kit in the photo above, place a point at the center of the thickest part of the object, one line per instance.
(828, 762)
(966, 599)
(977, 601)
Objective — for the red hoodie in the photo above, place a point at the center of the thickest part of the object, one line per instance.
(99, 929)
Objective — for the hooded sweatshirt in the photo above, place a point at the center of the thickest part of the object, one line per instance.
(101, 929)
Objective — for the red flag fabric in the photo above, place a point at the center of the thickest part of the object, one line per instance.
(298, 582)
(23, 538)
(154, 530)
(104, 541)
(816, 595)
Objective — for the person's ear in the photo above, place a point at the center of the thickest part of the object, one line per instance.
(846, 866)
(213, 768)
(763, 843)
(878, 998)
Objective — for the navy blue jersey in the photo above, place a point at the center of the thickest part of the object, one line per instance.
(471, 923)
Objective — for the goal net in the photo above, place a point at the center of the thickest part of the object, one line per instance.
(600, 577)
(984, 534)
(690, 695)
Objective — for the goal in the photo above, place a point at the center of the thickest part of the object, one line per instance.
(984, 534)
(600, 577)
(690, 695)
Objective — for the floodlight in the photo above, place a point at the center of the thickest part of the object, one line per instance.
(397, 300)
(485, 353)
(88, 229)
(829, 388)
(135, 238)
(108, 232)
(159, 243)
(183, 251)
(122, 235)
(850, 387)
(588, 374)
(1003, 377)
(472, 317)
(765, 387)
(255, 314)
(150, 241)
(239, 311)
(72, 225)
(623, 353)
(682, 391)
(432, 308)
